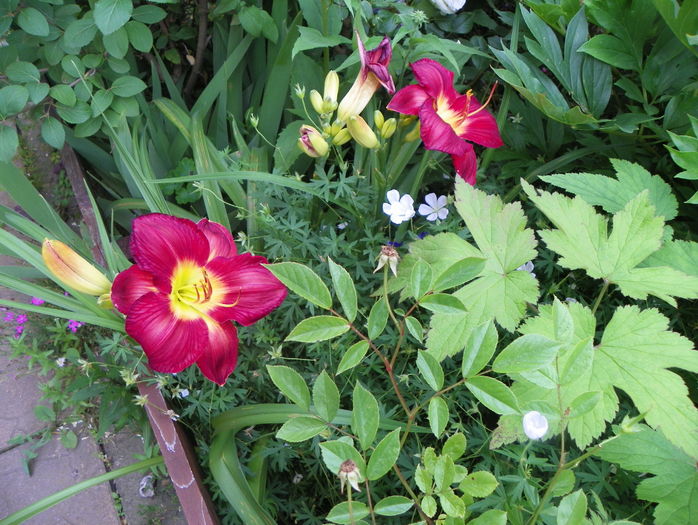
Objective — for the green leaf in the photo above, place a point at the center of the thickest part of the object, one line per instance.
(116, 44)
(437, 413)
(455, 446)
(346, 512)
(444, 471)
(428, 505)
(479, 349)
(140, 36)
(452, 504)
(431, 370)
(564, 484)
(365, 416)
(479, 484)
(325, 396)
(612, 50)
(414, 327)
(101, 101)
(32, 22)
(336, 452)
(76, 114)
(127, 86)
(291, 384)
(148, 14)
(44, 413)
(258, 22)
(614, 194)
(459, 273)
(582, 240)
(572, 509)
(527, 353)
(110, 15)
(442, 303)
(353, 356)
(53, 133)
(23, 72)
(393, 506)
(491, 517)
(384, 456)
(680, 255)
(318, 328)
(9, 142)
(69, 439)
(377, 318)
(310, 38)
(301, 428)
(420, 278)
(63, 94)
(72, 65)
(675, 481)
(302, 281)
(37, 92)
(504, 241)
(584, 403)
(12, 100)
(494, 394)
(344, 289)
(81, 32)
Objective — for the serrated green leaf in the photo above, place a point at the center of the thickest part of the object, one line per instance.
(393, 506)
(22, 72)
(347, 512)
(110, 15)
(675, 480)
(301, 428)
(444, 471)
(565, 483)
(325, 396)
(302, 281)
(431, 370)
(459, 273)
(336, 452)
(479, 349)
(491, 517)
(437, 414)
(452, 504)
(33, 22)
(526, 353)
(428, 505)
(384, 456)
(291, 384)
(353, 356)
(442, 303)
(344, 289)
(479, 484)
(420, 278)
(572, 509)
(365, 416)
(582, 240)
(318, 328)
(680, 255)
(494, 394)
(455, 446)
(377, 318)
(414, 327)
(53, 133)
(584, 403)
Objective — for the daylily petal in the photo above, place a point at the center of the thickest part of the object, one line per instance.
(436, 80)
(159, 242)
(437, 134)
(221, 355)
(408, 100)
(220, 240)
(376, 61)
(129, 286)
(466, 165)
(251, 291)
(480, 127)
(171, 343)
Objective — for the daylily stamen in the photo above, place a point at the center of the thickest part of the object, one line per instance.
(489, 98)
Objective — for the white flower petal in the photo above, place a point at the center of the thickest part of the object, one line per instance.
(441, 201)
(432, 217)
(393, 196)
(431, 200)
(442, 213)
(535, 424)
(424, 209)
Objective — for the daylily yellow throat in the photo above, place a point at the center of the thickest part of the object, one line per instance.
(195, 292)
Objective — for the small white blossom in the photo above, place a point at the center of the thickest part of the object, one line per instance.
(435, 208)
(535, 425)
(448, 7)
(60, 362)
(297, 478)
(184, 392)
(342, 225)
(527, 267)
(400, 209)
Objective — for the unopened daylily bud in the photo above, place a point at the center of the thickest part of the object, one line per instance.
(378, 119)
(104, 301)
(72, 270)
(406, 120)
(342, 137)
(362, 132)
(349, 475)
(413, 134)
(312, 143)
(331, 87)
(316, 101)
(388, 128)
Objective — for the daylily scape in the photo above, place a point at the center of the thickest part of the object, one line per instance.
(187, 287)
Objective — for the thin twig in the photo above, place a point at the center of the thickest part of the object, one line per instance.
(202, 10)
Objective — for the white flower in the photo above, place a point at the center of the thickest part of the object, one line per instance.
(527, 267)
(535, 425)
(184, 392)
(448, 7)
(342, 225)
(60, 362)
(400, 209)
(435, 208)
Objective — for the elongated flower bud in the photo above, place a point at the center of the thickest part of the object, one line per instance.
(311, 142)
(341, 137)
(413, 134)
(316, 101)
(72, 270)
(362, 133)
(331, 87)
(378, 119)
(388, 128)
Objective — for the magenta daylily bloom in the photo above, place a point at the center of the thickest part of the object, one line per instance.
(373, 73)
(184, 292)
(447, 118)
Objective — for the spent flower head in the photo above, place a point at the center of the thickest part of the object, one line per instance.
(390, 256)
(349, 475)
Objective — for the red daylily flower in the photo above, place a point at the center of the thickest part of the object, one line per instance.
(447, 118)
(184, 292)
(373, 73)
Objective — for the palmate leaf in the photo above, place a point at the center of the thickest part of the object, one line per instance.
(635, 353)
(583, 241)
(676, 478)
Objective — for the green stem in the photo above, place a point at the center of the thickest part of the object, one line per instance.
(606, 283)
